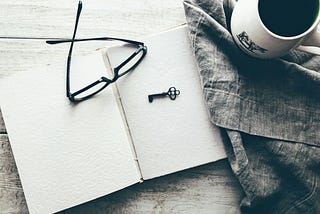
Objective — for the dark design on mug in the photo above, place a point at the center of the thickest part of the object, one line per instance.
(249, 44)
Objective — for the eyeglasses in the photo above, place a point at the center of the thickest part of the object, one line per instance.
(125, 67)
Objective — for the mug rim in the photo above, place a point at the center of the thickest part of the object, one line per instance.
(310, 29)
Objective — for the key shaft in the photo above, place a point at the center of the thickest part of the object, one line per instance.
(151, 96)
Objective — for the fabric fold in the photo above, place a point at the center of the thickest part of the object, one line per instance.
(277, 98)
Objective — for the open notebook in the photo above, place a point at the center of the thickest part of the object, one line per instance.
(67, 154)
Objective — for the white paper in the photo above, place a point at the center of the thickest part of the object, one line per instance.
(168, 135)
(66, 154)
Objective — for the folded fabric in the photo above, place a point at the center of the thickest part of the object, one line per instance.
(269, 111)
(278, 98)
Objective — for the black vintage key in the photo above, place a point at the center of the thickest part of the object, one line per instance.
(172, 93)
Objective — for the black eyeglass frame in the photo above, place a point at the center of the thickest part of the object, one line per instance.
(72, 96)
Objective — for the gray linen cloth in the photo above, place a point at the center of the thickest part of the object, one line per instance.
(268, 111)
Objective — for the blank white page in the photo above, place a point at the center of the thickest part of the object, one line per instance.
(66, 154)
(169, 135)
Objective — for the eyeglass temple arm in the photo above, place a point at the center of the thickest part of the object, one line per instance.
(71, 47)
(53, 42)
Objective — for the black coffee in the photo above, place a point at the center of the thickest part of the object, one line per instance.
(288, 17)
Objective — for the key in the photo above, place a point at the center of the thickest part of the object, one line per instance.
(172, 93)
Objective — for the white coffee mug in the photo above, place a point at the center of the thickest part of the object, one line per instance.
(261, 33)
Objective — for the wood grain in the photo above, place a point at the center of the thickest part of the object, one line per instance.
(24, 24)
(11, 194)
(43, 19)
(2, 126)
(21, 55)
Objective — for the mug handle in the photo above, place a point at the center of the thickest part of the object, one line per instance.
(312, 43)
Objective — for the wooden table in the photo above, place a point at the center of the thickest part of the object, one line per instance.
(25, 24)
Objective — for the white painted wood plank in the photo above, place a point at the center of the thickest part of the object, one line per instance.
(2, 125)
(55, 18)
(18, 55)
(11, 194)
